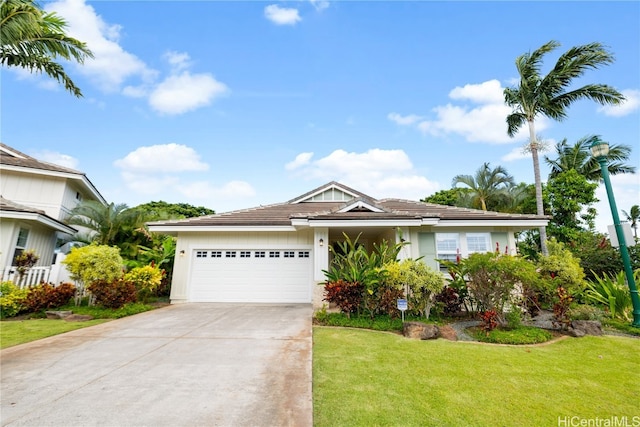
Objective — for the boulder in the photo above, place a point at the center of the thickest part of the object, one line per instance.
(448, 333)
(420, 331)
(588, 327)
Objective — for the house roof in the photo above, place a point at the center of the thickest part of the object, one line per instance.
(13, 210)
(309, 210)
(12, 159)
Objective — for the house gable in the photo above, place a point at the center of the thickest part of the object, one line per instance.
(331, 192)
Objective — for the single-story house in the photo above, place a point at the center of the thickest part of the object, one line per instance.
(277, 253)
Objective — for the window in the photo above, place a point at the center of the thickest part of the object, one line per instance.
(230, 254)
(201, 254)
(289, 254)
(447, 246)
(245, 254)
(478, 242)
(21, 243)
(259, 254)
(303, 254)
(274, 254)
(216, 254)
(78, 196)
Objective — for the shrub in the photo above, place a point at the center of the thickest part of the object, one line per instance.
(519, 336)
(347, 296)
(45, 296)
(586, 312)
(612, 293)
(94, 263)
(11, 299)
(561, 307)
(113, 294)
(489, 320)
(450, 300)
(559, 269)
(24, 262)
(146, 279)
(514, 318)
(422, 283)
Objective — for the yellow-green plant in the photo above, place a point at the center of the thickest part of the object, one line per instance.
(421, 283)
(12, 299)
(92, 263)
(146, 279)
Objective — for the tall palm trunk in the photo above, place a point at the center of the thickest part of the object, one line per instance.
(533, 146)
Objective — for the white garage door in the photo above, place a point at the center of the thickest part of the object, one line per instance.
(251, 275)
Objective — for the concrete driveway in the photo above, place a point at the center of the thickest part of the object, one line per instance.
(182, 365)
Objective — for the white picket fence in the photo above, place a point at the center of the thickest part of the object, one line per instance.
(55, 274)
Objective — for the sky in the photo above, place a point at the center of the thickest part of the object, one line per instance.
(236, 104)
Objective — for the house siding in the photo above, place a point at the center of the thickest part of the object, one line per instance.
(40, 239)
(37, 191)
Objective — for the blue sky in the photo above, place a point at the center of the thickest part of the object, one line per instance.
(235, 104)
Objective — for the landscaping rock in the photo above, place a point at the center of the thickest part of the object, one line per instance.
(78, 318)
(577, 333)
(57, 314)
(421, 331)
(588, 327)
(448, 333)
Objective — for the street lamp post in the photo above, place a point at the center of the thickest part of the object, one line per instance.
(600, 151)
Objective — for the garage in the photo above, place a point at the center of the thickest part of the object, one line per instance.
(276, 275)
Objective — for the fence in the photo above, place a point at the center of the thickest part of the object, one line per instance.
(32, 277)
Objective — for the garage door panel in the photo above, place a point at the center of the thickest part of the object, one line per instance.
(251, 275)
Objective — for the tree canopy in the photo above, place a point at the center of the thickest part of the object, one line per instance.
(164, 210)
(33, 39)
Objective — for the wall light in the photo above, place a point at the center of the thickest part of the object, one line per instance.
(182, 252)
(321, 242)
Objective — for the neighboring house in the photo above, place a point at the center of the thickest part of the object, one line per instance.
(36, 198)
(277, 253)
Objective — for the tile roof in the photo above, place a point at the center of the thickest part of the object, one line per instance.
(391, 209)
(12, 157)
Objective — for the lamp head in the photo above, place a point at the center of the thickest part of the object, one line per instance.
(599, 149)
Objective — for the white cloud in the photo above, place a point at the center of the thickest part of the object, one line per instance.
(404, 120)
(300, 160)
(205, 190)
(631, 104)
(56, 158)
(380, 173)
(517, 153)
(489, 92)
(319, 5)
(178, 94)
(479, 115)
(111, 65)
(178, 60)
(160, 158)
(282, 15)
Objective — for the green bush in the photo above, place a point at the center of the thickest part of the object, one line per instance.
(113, 294)
(514, 318)
(422, 283)
(12, 299)
(94, 263)
(586, 312)
(518, 336)
(559, 269)
(611, 292)
(146, 279)
(45, 296)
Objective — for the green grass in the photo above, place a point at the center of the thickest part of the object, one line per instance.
(14, 332)
(621, 326)
(367, 378)
(378, 323)
(519, 335)
(108, 313)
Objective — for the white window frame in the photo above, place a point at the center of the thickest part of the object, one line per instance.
(462, 246)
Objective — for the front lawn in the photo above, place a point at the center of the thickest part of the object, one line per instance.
(367, 378)
(14, 332)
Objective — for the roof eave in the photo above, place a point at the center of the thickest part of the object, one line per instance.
(40, 218)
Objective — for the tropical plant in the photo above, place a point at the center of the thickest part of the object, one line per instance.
(549, 96)
(162, 210)
(112, 224)
(33, 39)
(559, 269)
(450, 197)
(24, 262)
(146, 279)
(633, 216)
(46, 296)
(12, 299)
(612, 293)
(492, 278)
(420, 282)
(92, 263)
(578, 157)
(571, 198)
(487, 186)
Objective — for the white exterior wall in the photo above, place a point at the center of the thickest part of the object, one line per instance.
(188, 242)
(36, 191)
(41, 239)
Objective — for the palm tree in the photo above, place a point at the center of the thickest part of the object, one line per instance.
(112, 224)
(487, 185)
(578, 157)
(33, 39)
(548, 96)
(633, 216)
